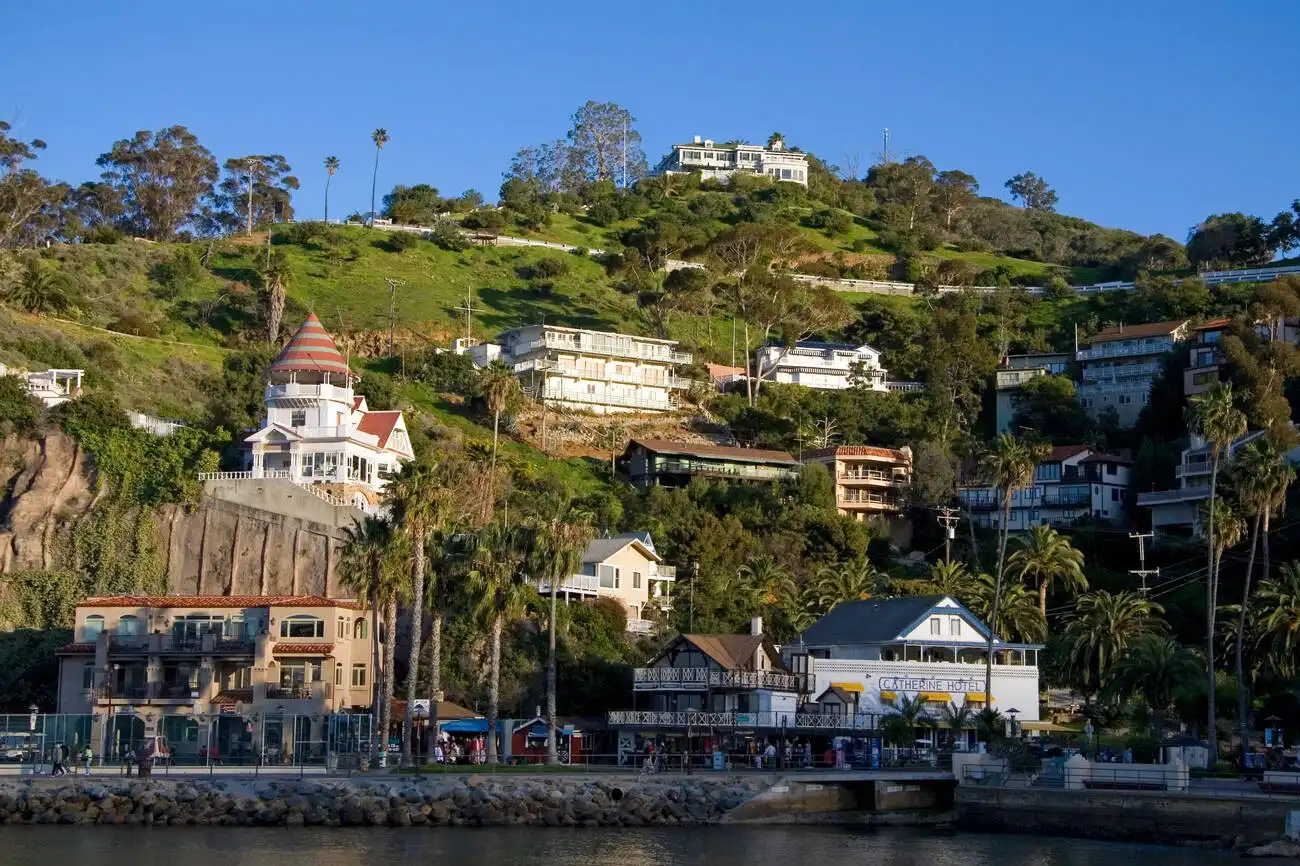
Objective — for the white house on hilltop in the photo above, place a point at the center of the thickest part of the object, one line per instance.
(318, 433)
(52, 387)
(825, 366)
(719, 161)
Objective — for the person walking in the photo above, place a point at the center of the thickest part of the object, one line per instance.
(87, 756)
(58, 755)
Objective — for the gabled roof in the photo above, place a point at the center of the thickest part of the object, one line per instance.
(875, 620)
(731, 651)
(1065, 452)
(857, 451)
(837, 693)
(223, 601)
(601, 549)
(310, 350)
(717, 452)
(380, 425)
(843, 347)
(1136, 332)
(1106, 458)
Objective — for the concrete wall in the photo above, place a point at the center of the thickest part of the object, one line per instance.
(1131, 816)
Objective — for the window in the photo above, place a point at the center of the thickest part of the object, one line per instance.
(1111, 468)
(935, 625)
(1086, 402)
(608, 577)
(302, 625)
(358, 468)
(342, 627)
(338, 675)
(1204, 378)
(358, 676)
(359, 629)
(1125, 399)
(954, 625)
(636, 580)
(299, 674)
(1114, 494)
(298, 418)
(1048, 472)
(94, 625)
(786, 174)
(88, 675)
(128, 626)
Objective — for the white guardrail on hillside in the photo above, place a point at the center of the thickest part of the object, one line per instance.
(883, 287)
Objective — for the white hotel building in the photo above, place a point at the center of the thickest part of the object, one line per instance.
(719, 161)
(596, 371)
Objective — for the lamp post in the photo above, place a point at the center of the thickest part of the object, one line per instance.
(1015, 729)
(109, 720)
(31, 746)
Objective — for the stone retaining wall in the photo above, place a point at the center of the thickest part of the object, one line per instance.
(456, 801)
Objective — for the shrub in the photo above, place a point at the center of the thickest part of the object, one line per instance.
(176, 273)
(447, 236)
(400, 242)
(550, 268)
(485, 218)
(20, 412)
(604, 213)
(449, 373)
(102, 234)
(304, 234)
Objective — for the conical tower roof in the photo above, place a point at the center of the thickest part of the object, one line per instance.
(311, 350)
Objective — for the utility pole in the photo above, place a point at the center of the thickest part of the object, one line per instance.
(885, 154)
(1142, 558)
(392, 309)
(250, 195)
(624, 150)
(469, 310)
(695, 575)
(948, 517)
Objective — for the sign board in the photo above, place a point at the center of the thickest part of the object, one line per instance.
(928, 684)
(719, 761)
(746, 718)
(226, 709)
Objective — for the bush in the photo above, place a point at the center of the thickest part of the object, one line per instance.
(1145, 749)
(447, 236)
(604, 213)
(550, 268)
(176, 273)
(484, 218)
(304, 234)
(20, 412)
(834, 222)
(449, 373)
(102, 234)
(379, 390)
(400, 242)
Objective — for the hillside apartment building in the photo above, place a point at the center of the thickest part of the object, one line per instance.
(868, 480)
(626, 568)
(158, 665)
(595, 371)
(1015, 371)
(716, 161)
(1120, 364)
(1073, 483)
(666, 463)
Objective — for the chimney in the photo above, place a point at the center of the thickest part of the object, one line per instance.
(756, 626)
(697, 139)
(537, 711)
(708, 142)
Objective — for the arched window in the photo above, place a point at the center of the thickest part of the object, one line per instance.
(359, 629)
(94, 625)
(128, 626)
(302, 625)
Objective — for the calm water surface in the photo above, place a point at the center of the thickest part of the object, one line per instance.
(710, 846)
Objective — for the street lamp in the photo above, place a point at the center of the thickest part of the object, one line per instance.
(1013, 712)
(31, 742)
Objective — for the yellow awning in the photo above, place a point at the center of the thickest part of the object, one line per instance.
(848, 687)
(975, 697)
(886, 695)
(937, 697)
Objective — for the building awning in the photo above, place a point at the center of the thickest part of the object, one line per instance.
(976, 698)
(886, 695)
(856, 688)
(936, 697)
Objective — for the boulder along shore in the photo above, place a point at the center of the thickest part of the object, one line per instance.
(467, 801)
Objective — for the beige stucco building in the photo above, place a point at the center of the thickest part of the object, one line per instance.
(626, 568)
(244, 675)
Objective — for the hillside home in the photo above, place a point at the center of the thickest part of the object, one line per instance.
(824, 366)
(1015, 371)
(1073, 483)
(318, 433)
(716, 161)
(595, 371)
(52, 387)
(673, 464)
(626, 568)
(1205, 357)
(163, 665)
(868, 480)
(1120, 364)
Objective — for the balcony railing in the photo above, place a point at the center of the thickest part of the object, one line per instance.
(1133, 386)
(774, 720)
(1119, 350)
(892, 479)
(648, 378)
(1119, 372)
(641, 626)
(866, 497)
(1183, 470)
(726, 470)
(707, 678)
(663, 572)
(573, 395)
(208, 644)
(1166, 497)
(298, 390)
(1015, 378)
(621, 347)
(585, 583)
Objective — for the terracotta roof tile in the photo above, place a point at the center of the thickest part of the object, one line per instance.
(234, 696)
(303, 649)
(167, 601)
(857, 451)
(379, 424)
(76, 649)
(722, 452)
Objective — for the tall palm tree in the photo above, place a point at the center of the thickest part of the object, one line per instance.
(1214, 416)
(417, 501)
(559, 537)
(1101, 630)
(957, 718)
(331, 166)
(854, 580)
(1017, 615)
(500, 593)
(367, 559)
(1045, 556)
(1011, 464)
(952, 578)
(1279, 620)
(990, 723)
(1153, 667)
(769, 581)
(911, 714)
(380, 137)
(500, 388)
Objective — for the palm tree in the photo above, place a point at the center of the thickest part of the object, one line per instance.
(1214, 416)
(1153, 667)
(275, 278)
(331, 166)
(769, 581)
(559, 537)
(956, 718)
(854, 580)
(1017, 610)
(416, 498)
(380, 137)
(370, 565)
(1011, 465)
(1279, 622)
(500, 592)
(41, 288)
(952, 578)
(911, 715)
(500, 388)
(990, 723)
(1045, 556)
(1101, 630)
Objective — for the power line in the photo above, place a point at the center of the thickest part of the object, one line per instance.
(948, 517)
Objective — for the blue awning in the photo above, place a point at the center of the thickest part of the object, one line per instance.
(465, 726)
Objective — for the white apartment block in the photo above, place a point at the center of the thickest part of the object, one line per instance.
(719, 161)
(626, 568)
(596, 371)
(1074, 483)
(1121, 363)
(824, 366)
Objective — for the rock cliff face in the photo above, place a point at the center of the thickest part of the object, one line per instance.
(243, 538)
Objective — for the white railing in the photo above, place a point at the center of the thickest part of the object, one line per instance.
(241, 476)
(1119, 371)
(1119, 350)
(904, 387)
(724, 470)
(701, 678)
(1136, 386)
(569, 395)
(289, 390)
(156, 426)
(1182, 470)
(789, 720)
(1162, 497)
(619, 347)
(863, 497)
(641, 626)
(1015, 378)
(643, 377)
(889, 478)
(572, 583)
(663, 572)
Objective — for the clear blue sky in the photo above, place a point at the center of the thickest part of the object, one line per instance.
(1144, 114)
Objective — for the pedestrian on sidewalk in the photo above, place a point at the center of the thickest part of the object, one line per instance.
(58, 756)
(86, 757)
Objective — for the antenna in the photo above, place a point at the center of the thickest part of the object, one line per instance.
(948, 517)
(1142, 558)
(392, 309)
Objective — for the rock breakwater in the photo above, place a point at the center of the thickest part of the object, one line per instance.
(471, 801)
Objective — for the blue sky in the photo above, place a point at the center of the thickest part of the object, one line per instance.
(1143, 114)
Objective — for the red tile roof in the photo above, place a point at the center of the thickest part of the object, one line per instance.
(76, 648)
(303, 649)
(722, 452)
(1212, 325)
(858, 451)
(1134, 332)
(1065, 452)
(218, 601)
(310, 350)
(379, 424)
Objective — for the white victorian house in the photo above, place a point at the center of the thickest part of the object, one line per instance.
(318, 433)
